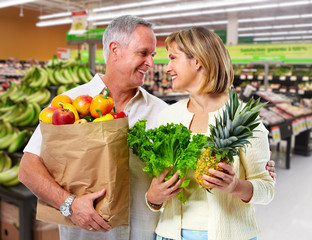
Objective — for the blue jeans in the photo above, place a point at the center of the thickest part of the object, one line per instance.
(192, 235)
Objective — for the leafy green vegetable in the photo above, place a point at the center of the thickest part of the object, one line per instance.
(165, 146)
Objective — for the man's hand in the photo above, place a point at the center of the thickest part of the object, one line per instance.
(270, 167)
(84, 214)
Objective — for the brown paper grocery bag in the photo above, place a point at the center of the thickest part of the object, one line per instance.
(85, 158)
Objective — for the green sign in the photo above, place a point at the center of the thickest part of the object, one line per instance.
(222, 35)
(290, 53)
(89, 34)
(84, 56)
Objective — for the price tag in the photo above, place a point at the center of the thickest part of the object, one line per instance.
(283, 90)
(301, 92)
(293, 78)
(282, 78)
(260, 77)
(242, 77)
(295, 127)
(309, 122)
(292, 90)
(276, 134)
(270, 77)
(305, 78)
(250, 77)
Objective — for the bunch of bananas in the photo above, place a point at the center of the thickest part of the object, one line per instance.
(8, 173)
(17, 93)
(21, 114)
(11, 138)
(56, 74)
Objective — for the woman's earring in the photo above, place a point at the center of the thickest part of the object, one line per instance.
(197, 67)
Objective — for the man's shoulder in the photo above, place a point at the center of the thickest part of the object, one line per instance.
(150, 98)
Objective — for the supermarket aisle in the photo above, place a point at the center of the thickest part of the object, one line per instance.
(289, 215)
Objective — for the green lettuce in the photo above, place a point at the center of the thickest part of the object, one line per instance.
(165, 146)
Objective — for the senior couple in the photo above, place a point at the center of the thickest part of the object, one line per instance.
(197, 58)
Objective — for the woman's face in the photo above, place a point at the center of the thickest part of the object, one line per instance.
(183, 71)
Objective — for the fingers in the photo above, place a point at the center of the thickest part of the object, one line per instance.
(85, 216)
(164, 173)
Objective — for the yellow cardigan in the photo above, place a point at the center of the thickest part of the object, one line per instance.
(224, 216)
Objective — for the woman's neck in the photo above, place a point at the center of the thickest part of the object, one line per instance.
(205, 103)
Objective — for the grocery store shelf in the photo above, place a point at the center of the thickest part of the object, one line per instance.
(24, 199)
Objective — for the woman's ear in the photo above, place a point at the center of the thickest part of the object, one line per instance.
(197, 65)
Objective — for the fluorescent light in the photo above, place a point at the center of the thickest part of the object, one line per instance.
(8, 3)
(184, 25)
(55, 15)
(176, 8)
(274, 33)
(54, 22)
(131, 5)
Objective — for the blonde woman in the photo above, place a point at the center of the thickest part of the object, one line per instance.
(200, 65)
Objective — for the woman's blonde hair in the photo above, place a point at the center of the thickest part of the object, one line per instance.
(209, 50)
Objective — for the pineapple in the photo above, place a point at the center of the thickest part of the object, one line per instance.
(229, 135)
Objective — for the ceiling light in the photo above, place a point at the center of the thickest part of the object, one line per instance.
(54, 22)
(131, 5)
(8, 3)
(184, 25)
(177, 8)
(55, 15)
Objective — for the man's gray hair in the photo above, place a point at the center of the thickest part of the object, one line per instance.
(120, 30)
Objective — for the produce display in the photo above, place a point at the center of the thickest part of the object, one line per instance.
(229, 135)
(22, 103)
(165, 146)
(82, 109)
(56, 73)
(8, 172)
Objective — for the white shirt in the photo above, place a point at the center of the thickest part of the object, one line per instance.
(142, 221)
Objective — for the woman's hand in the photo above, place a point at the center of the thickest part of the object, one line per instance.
(161, 190)
(226, 182)
(229, 183)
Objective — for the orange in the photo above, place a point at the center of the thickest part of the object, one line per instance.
(60, 98)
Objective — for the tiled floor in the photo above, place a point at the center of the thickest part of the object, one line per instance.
(289, 215)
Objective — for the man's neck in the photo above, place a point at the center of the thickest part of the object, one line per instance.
(120, 94)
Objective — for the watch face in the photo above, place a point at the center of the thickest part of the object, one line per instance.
(65, 210)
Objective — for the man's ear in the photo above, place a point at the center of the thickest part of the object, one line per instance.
(114, 48)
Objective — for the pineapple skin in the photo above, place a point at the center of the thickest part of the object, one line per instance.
(205, 162)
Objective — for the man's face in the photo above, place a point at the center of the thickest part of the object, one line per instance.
(136, 59)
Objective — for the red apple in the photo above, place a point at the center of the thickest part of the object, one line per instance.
(82, 104)
(46, 114)
(63, 116)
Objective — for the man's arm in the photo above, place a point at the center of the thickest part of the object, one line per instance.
(35, 176)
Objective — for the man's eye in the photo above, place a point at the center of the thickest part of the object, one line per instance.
(144, 53)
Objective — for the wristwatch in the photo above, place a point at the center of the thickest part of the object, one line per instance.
(65, 208)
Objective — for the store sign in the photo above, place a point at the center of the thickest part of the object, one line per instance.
(79, 25)
(63, 53)
(288, 53)
(95, 33)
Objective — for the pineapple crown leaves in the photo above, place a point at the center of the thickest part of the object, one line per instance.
(234, 126)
